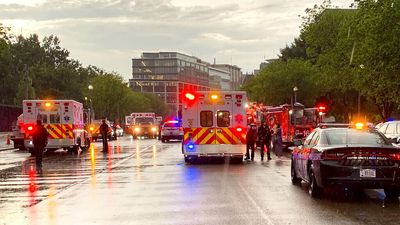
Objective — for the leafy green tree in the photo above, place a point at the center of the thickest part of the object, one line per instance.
(274, 84)
(377, 34)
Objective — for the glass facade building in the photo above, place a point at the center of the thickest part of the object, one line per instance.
(167, 73)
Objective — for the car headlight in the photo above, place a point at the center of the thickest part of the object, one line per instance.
(153, 129)
(137, 129)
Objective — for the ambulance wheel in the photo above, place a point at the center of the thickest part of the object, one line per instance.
(188, 160)
(236, 160)
(30, 150)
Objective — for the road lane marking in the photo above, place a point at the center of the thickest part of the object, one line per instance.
(259, 209)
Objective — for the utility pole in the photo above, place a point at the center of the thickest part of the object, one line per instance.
(27, 80)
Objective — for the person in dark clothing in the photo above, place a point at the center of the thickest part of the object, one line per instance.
(278, 141)
(264, 135)
(251, 137)
(268, 135)
(39, 140)
(104, 134)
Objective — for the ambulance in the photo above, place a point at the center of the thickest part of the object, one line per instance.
(63, 120)
(214, 125)
(142, 124)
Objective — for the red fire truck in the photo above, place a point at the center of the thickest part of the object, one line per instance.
(296, 122)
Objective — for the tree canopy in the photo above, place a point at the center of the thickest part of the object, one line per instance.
(347, 56)
(31, 68)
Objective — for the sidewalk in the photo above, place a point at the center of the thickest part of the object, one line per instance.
(3, 141)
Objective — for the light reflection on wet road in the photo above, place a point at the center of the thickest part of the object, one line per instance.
(147, 182)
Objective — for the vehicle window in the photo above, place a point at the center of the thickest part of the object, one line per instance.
(206, 118)
(172, 125)
(42, 117)
(309, 137)
(54, 118)
(223, 119)
(391, 128)
(383, 128)
(144, 121)
(350, 136)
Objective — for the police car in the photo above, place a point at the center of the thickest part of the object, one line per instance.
(171, 130)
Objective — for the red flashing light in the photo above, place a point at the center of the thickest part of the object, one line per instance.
(239, 129)
(30, 128)
(190, 96)
(395, 156)
(321, 108)
(180, 128)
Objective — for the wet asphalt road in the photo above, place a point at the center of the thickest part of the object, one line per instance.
(147, 182)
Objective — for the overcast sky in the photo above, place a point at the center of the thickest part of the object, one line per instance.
(109, 33)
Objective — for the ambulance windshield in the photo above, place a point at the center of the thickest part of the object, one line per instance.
(144, 121)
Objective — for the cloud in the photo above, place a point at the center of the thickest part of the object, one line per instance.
(109, 33)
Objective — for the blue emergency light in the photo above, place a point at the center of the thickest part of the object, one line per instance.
(191, 147)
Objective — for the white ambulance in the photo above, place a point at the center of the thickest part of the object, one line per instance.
(214, 124)
(63, 120)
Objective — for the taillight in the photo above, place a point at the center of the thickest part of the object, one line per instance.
(332, 155)
(395, 156)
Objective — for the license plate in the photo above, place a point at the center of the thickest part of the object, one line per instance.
(367, 173)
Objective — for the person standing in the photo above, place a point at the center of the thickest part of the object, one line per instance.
(278, 141)
(267, 140)
(39, 140)
(250, 141)
(261, 138)
(104, 134)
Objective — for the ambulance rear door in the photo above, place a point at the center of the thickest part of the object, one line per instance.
(49, 114)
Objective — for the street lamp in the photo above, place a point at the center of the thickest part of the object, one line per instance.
(359, 95)
(295, 89)
(90, 87)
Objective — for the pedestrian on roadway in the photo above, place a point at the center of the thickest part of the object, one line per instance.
(39, 140)
(104, 133)
(264, 134)
(278, 141)
(251, 137)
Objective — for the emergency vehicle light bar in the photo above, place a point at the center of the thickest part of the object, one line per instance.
(190, 96)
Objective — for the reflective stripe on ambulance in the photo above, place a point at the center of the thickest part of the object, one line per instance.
(60, 131)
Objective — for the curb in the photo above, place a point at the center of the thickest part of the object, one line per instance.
(6, 149)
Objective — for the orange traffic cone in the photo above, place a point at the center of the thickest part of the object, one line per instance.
(8, 140)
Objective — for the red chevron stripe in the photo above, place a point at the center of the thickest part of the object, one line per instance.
(61, 129)
(53, 132)
(227, 136)
(211, 140)
(199, 139)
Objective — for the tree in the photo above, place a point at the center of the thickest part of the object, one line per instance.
(377, 33)
(274, 84)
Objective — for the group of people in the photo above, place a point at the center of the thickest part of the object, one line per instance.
(40, 140)
(266, 138)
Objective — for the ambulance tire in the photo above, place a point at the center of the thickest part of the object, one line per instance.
(31, 150)
(73, 150)
(188, 160)
(236, 160)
